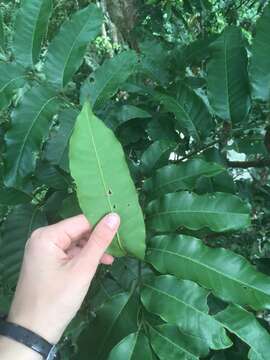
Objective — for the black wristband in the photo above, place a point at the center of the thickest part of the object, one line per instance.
(29, 339)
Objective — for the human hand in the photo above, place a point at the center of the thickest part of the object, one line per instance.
(59, 264)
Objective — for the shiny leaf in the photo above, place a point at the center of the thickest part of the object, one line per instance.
(184, 303)
(219, 212)
(104, 185)
(67, 49)
(30, 28)
(228, 86)
(230, 276)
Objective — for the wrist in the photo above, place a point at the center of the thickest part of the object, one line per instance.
(10, 350)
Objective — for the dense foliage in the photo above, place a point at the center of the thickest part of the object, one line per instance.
(184, 86)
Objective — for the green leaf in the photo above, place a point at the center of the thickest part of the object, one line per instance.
(182, 176)
(116, 319)
(51, 176)
(156, 155)
(169, 343)
(184, 303)
(125, 113)
(2, 33)
(57, 147)
(9, 196)
(260, 62)
(30, 125)
(219, 212)
(133, 347)
(228, 275)
(17, 228)
(104, 185)
(107, 79)
(228, 86)
(67, 49)
(12, 77)
(191, 113)
(30, 29)
(245, 325)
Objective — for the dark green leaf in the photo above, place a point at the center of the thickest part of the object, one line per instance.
(107, 79)
(30, 29)
(66, 52)
(182, 176)
(244, 325)
(30, 125)
(228, 275)
(17, 228)
(227, 79)
(104, 185)
(11, 78)
(184, 303)
(260, 61)
(219, 212)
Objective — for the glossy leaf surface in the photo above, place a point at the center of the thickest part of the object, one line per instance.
(230, 276)
(66, 51)
(227, 79)
(30, 28)
(219, 212)
(30, 125)
(184, 303)
(105, 81)
(104, 185)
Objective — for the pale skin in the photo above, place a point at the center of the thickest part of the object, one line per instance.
(59, 264)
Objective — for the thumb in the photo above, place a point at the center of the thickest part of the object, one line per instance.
(100, 239)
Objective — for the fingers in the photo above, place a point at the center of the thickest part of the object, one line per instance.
(92, 253)
(107, 259)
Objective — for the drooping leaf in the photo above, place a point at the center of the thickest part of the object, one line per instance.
(30, 125)
(116, 319)
(169, 343)
(12, 77)
(260, 62)
(244, 325)
(57, 148)
(182, 176)
(133, 347)
(30, 28)
(228, 86)
(66, 51)
(107, 79)
(156, 155)
(120, 116)
(104, 185)
(228, 275)
(17, 228)
(219, 212)
(184, 303)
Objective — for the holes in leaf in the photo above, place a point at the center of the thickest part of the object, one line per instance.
(110, 192)
(114, 206)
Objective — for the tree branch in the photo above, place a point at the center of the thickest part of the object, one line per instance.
(249, 164)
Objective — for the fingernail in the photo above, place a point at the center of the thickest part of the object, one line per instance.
(112, 220)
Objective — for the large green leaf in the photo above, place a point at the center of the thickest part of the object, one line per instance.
(184, 303)
(17, 228)
(99, 168)
(11, 78)
(219, 212)
(116, 319)
(227, 78)
(67, 49)
(245, 325)
(133, 347)
(30, 125)
(57, 147)
(106, 80)
(260, 61)
(182, 176)
(169, 343)
(30, 28)
(191, 114)
(228, 275)
(156, 155)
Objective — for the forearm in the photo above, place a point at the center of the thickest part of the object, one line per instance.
(10, 350)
